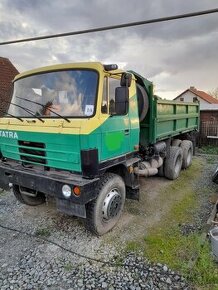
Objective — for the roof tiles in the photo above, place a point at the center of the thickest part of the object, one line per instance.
(206, 97)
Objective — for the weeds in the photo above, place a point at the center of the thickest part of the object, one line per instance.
(2, 191)
(204, 271)
(209, 149)
(43, 232)
(68, 267)
(166, 243)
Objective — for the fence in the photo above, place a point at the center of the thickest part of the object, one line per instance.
(208, 133)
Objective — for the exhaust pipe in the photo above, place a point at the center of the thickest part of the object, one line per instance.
(149, 168)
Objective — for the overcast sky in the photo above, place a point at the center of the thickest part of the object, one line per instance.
(174, 55)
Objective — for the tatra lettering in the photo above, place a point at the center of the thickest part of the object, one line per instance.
(8, 134)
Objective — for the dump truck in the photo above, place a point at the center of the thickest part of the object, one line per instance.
(84, 133)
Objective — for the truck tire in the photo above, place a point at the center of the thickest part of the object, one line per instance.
(192, 137)
(176, 142)
(173, 163)
(143, 102)
(29, 200)
(161, 171)
(187, 149)
(103, 213)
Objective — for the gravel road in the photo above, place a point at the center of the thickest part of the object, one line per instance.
(29, 263)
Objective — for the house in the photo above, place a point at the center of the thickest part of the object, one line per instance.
(208, 115)
(208, 104)
(192, 94)
(7, 74)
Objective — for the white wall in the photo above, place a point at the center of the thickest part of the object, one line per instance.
(188, 97)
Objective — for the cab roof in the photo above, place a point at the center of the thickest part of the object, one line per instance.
(83, 65)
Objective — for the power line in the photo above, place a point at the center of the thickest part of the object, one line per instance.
(89, 258)
(56, 244)
(112, 27)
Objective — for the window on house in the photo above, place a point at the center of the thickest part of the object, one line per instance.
(182, 99)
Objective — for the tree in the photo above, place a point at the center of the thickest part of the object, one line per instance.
(214, 93)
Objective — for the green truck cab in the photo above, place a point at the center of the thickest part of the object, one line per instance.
(83, 133)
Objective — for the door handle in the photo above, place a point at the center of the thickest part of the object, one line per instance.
(126, 132)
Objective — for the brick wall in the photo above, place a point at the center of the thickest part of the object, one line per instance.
(209, 115)
(7, 74)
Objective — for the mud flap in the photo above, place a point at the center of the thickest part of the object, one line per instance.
(133, 193)
(70, 208)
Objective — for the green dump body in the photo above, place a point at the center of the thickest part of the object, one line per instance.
(168, 119)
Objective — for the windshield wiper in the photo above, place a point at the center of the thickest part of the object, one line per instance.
(45, 107)
(25, 109)
(11, 115)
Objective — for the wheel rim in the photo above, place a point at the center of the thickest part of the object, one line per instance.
(189, 157)
(178, 165)
(112, 204)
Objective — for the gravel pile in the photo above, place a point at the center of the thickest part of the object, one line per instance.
(30, 263)
(204, 189)
(31, 272)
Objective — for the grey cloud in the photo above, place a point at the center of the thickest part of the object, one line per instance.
(173, 54)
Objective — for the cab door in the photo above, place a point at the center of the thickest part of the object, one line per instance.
(115, 131)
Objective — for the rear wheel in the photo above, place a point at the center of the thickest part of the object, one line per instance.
(33, 199)
(176, 142)
(104, 212)
(187, 148)
(173, 163)
(161, 171)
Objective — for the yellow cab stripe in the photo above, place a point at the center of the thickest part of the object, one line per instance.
(57, 125)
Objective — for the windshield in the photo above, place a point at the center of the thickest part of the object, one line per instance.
(70, 93)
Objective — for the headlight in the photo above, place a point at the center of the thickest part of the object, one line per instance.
(66, 190)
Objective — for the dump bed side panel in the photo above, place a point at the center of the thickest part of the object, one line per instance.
(174, 118)
(168, 119)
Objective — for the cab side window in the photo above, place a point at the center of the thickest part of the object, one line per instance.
(108, 101)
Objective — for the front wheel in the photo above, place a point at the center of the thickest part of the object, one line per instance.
(104, 212)
(33, 199)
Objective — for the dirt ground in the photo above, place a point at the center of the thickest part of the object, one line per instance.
(137, 219)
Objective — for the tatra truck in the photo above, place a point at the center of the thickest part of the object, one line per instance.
(84, 133)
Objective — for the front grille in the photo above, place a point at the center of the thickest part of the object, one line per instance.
(32, 152)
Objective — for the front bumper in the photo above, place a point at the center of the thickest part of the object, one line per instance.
(50, 183)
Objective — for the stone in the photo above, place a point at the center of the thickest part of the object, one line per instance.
(104, 285)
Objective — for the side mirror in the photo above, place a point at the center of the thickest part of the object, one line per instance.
(121, 100)
(126, 80)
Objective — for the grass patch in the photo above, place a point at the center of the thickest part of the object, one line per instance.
(43, 232)
(68, 267)
(204, 272)
(209, 149)
(165, 242)
(2, 192)
(134, 246)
